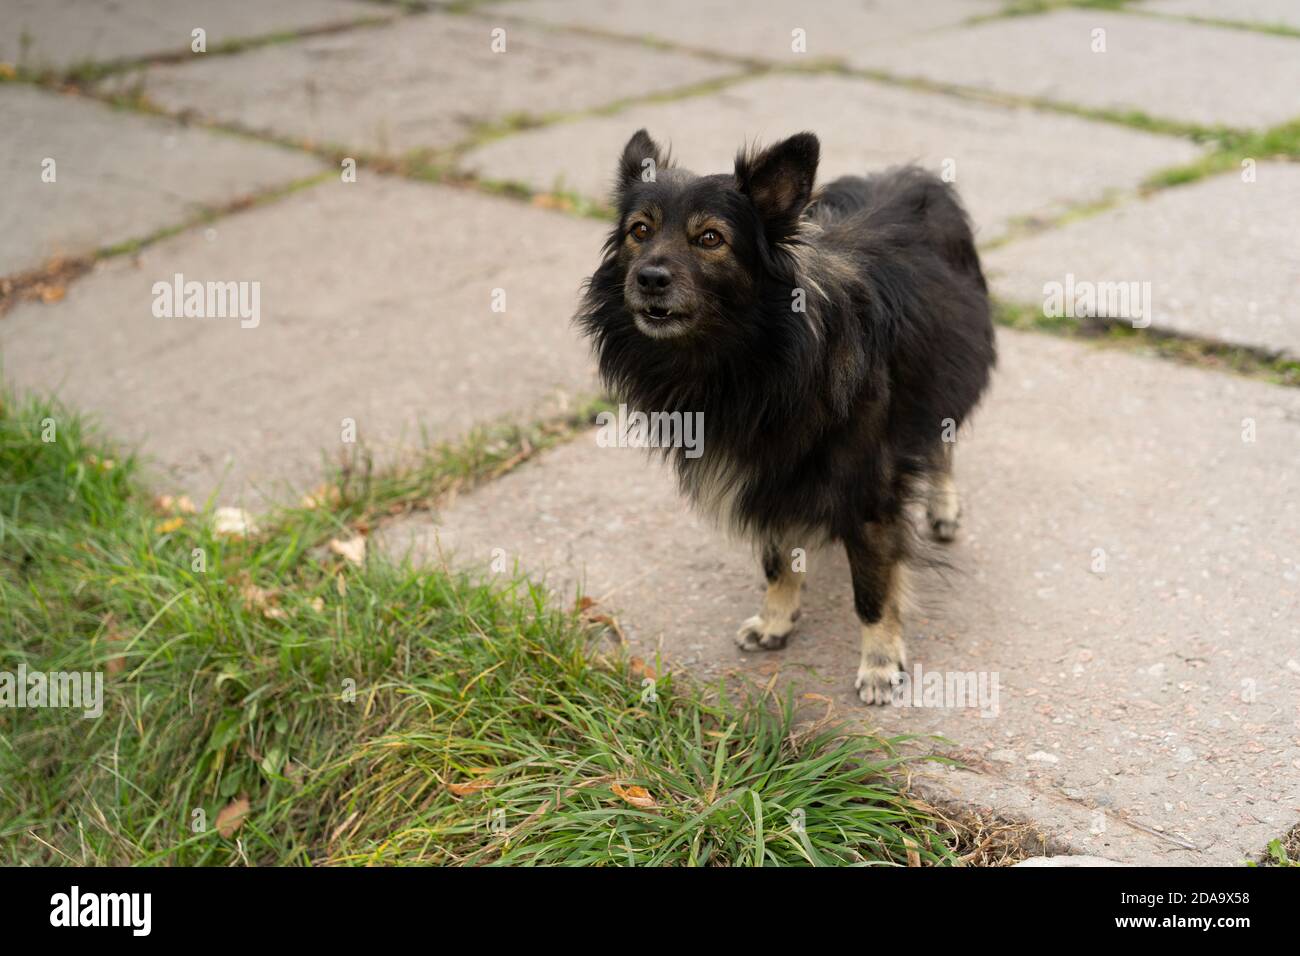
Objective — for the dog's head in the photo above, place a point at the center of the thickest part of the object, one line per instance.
(696, 253)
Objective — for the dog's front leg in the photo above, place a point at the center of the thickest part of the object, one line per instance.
(768, 630)
(876, 563)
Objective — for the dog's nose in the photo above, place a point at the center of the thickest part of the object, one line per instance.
(653, 278)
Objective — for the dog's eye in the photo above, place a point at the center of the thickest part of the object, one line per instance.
(710, 239)
(639, 231)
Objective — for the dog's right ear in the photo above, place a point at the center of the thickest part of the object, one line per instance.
(779, 180)
(642, 159)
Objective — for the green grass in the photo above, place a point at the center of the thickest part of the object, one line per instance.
(1231, 149)
(1277, 855)
(1201, 353)
(380, 713)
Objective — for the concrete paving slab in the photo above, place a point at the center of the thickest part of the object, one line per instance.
(424, 81)
(117, 175)
(375, 304)
(760, 29)
(59, 34)
(1219, 257)
(1008, 163)
(1127, 571)
(1263, 13)
(1164, 68)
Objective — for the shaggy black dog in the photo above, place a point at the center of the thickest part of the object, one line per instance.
(833, 340)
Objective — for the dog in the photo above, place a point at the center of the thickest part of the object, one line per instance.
(835, 340)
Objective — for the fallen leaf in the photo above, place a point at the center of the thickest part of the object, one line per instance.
(7, 71)
(584, 608)
(170, 525)
(637, 796)
(320, 496)
(235, 522)
(640, 669)
(52, 293)
(265, 601)
(231, 817)
(353, 550)
(167, 504)
(473, 786)
(913, 858)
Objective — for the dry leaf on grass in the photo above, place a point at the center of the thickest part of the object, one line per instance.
(231, 817)
(640, 669)
(472, 786)
(584, 608)
(352, 550)
(320, 496)
(235, 522)
(179, 504)
(637, 796)
(913, 858)
(170, 525)
(264, 601)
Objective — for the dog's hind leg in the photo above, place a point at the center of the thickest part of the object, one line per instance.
(876, 563)
(943, 506)
(768, 630)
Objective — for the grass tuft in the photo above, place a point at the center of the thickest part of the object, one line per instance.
(1201, 353)
(266, 701)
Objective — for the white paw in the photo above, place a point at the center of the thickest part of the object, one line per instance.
(759, 635)
(876, 682)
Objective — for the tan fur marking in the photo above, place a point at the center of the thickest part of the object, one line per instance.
(768, 629)
(883, 650)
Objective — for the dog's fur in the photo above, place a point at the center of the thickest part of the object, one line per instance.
(834, 342)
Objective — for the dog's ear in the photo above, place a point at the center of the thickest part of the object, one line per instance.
(779, 180)
(642, 158)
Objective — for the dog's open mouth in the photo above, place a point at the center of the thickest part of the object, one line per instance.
(661, 322)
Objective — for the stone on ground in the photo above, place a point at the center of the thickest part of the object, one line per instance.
(376, 305)
(1008, 163)
(117, 176)
(1127, 570)
(61, 34)
(1220, 257)
(762, 29)
(423, 81)
(1163, 68)
(1260, 13)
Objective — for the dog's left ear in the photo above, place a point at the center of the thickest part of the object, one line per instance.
(642, 157)
(779, 180)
